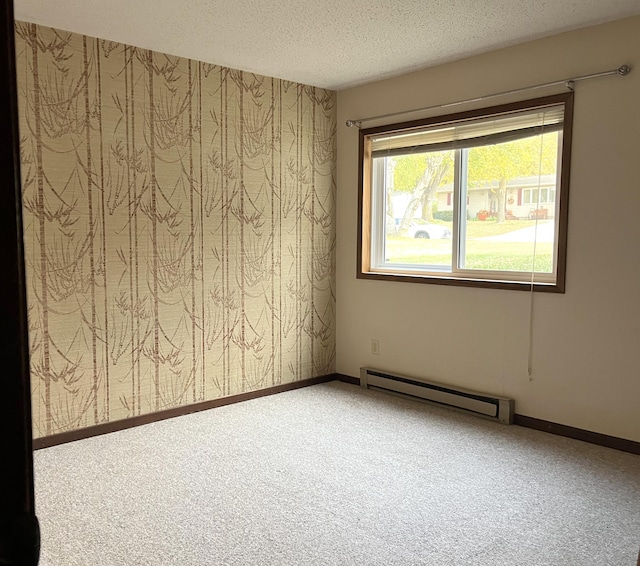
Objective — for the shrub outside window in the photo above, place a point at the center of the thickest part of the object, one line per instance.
(477, 198)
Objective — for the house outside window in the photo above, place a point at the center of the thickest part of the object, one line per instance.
(476, 199)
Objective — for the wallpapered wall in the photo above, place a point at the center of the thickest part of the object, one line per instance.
(179, 229)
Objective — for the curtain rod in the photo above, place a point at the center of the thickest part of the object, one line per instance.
(569, 83)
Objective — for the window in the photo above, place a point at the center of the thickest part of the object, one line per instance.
(539, 196)
(477, 198)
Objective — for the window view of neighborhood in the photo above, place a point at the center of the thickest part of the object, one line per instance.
(495, 202)
(476, 198)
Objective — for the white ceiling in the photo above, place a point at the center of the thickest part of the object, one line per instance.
(328, 43)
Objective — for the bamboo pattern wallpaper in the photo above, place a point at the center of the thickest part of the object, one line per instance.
(179, 229)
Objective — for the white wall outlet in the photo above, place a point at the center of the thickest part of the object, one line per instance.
(375, 346)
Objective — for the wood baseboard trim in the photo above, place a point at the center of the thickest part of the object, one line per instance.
(614, 442)
(97, 430)
(346, 378)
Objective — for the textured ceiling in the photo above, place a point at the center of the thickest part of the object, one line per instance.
(329, 43)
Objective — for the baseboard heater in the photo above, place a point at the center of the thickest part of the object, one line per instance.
(484, 405)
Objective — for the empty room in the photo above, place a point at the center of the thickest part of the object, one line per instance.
(312, 283)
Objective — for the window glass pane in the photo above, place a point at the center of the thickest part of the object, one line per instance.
(419, 210)
(499, 234)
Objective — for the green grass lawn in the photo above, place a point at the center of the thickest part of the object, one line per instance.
(478, 229)
(500, 256)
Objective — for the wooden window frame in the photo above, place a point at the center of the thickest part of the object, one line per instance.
(365, 221)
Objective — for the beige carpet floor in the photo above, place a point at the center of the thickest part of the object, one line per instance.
(336, 475)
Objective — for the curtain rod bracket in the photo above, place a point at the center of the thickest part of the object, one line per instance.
(571, 85)
(624, 70)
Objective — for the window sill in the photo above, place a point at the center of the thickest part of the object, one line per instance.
(543, 287)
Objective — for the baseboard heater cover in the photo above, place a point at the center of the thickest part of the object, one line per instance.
(482, 404)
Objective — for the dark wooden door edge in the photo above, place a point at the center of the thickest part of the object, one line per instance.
(19, 530)
(97, 430)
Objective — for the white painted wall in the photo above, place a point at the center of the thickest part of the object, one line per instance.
(587, 341)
